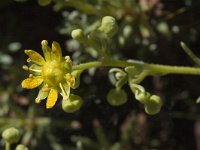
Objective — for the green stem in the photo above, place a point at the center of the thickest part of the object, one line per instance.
(7, 146)
(152, 68)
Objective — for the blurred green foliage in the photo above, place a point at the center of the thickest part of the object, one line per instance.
(149, 30)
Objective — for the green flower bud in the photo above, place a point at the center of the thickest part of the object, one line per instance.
(11, 135)
(21, 147)
(77, 34)
(44, 2)
(140, 93)
(108, 26)
(117, 97)
(142, 96)
(153, 105)
(73, 103)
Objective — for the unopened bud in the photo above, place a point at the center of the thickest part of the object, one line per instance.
(108, 26)
(11, 135)
(72, 104)
(77, 34)
(44, 2)
(153, 105)
(117, 97)
(21, 147)
(142, 96)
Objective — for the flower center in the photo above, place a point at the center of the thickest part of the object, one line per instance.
(53, 73)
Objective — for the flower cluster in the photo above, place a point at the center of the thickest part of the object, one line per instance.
(53, 72)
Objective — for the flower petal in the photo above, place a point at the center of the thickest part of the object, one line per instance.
(46, 50)
(35, 57)
(56, 51)
(32, 82)
(52, 98)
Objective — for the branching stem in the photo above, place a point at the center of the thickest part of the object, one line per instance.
(152, 68)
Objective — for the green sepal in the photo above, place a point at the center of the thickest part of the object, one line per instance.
(43, 93)
(76, 74)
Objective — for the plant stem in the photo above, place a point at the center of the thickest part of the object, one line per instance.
(152, 68)
(7, 146)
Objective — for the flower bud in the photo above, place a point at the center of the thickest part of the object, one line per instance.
(108, 26)
(44, 2)
(73, 103)
(77, 34)
(117, 97)
(21, 147)
(142, 96)
(153, 105)
(11, 135)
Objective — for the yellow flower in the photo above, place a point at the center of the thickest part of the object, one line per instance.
(53, 72)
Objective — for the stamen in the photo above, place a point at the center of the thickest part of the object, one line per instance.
(30, 75)
(35, 70)
(25, 67)
(37, 100)
(62, 89)
(67, 59)
(44, 42)
(28, 60)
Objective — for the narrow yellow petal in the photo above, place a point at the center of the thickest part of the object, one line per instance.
(56, 51)
(52, 98)
(35, 57)
(46, 50)
(32, 82)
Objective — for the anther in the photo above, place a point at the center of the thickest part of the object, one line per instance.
(62, 89)
(25, 67)
(67, 59)
(30, 75)
(44, 42)
(28, 60)
(37, 100)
